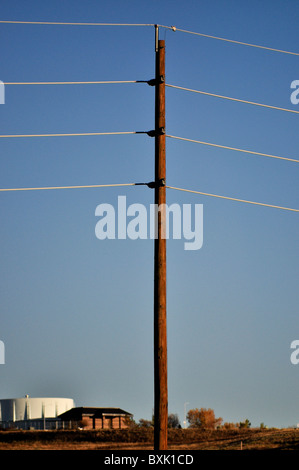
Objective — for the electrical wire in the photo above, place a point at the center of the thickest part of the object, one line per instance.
(100, 82)
(232, 148)
(73, 24)
(233, 199)
(145, 132)
(70, 135)
(173, 28)
(68, 187)
(232, 99)
(74, 83)
(43, 188)
(235, 42)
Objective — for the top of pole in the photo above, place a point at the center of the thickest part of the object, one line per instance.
(156, 37)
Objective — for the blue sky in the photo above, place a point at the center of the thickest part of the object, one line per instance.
(77, 312)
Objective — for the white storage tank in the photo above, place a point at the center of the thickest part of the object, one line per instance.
(27, 408)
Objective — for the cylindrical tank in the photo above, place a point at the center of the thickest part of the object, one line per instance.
(22, 409)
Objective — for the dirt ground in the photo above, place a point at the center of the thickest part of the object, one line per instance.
(250, 439)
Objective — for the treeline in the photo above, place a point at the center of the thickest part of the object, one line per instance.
(198, 418)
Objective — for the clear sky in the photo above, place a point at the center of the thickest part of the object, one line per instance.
(76, 311)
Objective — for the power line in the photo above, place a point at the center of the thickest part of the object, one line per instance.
(233, 199)
(43, 188)
(173, 28)
(149, 133)
(235, 42)
(232, 148)
(70, 135)
(232, 99)
(73, 24)
(68, 187)
(75, 83)
(100, 82)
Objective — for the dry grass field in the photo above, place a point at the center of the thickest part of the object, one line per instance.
(142, 439)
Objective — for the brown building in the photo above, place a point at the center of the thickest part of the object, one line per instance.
(96, 418)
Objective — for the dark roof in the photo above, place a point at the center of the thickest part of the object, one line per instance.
(78, 413)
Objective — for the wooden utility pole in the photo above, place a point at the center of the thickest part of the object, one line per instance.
(160, 332)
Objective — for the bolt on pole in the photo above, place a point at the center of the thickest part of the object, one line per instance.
(160, 331)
